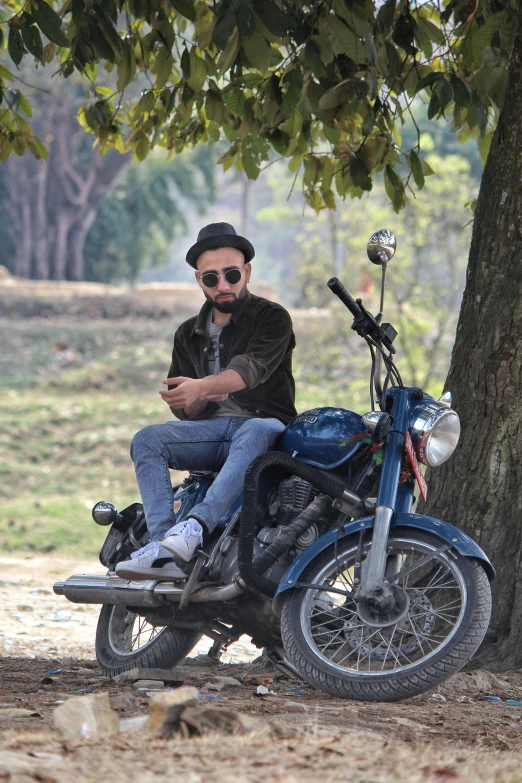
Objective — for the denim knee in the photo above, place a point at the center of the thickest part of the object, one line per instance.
(143, 439)
(263, 431)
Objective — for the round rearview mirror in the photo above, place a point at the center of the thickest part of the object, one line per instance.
(381, 246)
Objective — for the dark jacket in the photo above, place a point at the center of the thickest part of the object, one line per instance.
(257, 343)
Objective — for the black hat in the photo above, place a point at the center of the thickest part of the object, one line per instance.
(219, 235)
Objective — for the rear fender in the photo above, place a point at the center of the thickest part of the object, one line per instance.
(443, 530)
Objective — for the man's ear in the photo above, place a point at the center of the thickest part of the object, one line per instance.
(198, 278)
(248, 271)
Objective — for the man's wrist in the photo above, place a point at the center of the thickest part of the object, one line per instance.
(206, 386)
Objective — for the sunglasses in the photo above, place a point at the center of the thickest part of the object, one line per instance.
(211, 279)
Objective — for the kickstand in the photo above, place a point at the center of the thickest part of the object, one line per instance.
(191, 581)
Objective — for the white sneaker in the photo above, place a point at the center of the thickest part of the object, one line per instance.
(150, 562)
(183, 539)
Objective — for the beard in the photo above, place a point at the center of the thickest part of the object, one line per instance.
(227, 307)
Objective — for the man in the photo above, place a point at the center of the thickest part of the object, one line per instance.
(230, 383)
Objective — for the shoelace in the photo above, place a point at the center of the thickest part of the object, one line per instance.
(146, 549)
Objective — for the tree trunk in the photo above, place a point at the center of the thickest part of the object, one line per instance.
(77, 239)
(480, 488)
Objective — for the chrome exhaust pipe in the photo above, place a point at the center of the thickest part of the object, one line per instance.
(86, 589)
(114, 591)
(201, 594)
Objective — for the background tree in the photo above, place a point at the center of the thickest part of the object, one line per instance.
(80, 215)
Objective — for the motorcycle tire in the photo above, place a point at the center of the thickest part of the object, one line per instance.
(117, 634)
(314, 643)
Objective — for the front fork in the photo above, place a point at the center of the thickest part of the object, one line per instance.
(374, 586)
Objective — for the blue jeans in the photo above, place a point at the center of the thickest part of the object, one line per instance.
(222, 444)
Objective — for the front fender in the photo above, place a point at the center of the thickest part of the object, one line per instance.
(443, 530)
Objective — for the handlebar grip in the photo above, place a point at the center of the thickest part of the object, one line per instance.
(335, 285)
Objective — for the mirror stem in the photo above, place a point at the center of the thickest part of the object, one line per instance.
(384, 265)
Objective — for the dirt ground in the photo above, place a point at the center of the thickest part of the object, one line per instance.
(308, 735)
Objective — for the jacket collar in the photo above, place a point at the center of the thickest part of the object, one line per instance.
(239, 317)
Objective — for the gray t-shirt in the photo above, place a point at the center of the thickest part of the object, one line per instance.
(228, 407)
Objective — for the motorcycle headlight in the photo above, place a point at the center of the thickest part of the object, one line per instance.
(435, 433)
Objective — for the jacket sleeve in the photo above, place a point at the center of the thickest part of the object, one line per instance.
(270, 342)
(181, 365)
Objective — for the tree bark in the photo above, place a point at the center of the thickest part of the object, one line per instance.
(480, 488)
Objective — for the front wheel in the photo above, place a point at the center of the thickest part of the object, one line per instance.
(445, 615)
(124, 640)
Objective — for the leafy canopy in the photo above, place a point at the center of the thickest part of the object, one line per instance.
(326, 84)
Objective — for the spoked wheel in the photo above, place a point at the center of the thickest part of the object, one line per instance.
(124, 639)
(443, 606)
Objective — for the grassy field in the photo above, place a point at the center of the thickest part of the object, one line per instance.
(73, 392)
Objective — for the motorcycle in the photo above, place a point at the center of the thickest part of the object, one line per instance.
(321, 561)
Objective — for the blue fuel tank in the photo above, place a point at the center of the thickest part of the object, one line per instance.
(319, 436)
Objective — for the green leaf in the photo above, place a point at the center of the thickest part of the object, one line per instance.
(228, 56)
(223, 29)
(293, 80)
(12, 98)
(444, 93)
(344, 41)
(426, 168)
(359, 174)
(328, 171)
(341, 93)
(277, 21)
(361, 27)
(416, 169)
(460, 92)
(109, 31)
(32, 38)
(312, 58)
(385, 17)
(480, 37)
(431, 31)
(25, 106)
(126, 66)
(257, 50)
(433, 106)
(49, 22)
(184, 7)
(142, 147)
(162, 67)
(333, 135)
(427, 81)
(144, 105)
(368, 125)
(78, 11)
(15, 45)
(198, 71)
(214, 108)
(394, 188)
(245, 18)
(235, 101)
(293, 124)
(250, 164)
(99, 42)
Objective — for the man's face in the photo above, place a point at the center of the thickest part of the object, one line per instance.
(225, 296)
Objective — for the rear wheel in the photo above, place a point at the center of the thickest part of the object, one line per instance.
(124, 640)
(341, 649)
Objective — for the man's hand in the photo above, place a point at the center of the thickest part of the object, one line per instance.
(192, 394)
(187, 391)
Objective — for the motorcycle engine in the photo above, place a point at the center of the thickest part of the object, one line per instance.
(292, 496)
(287, 501)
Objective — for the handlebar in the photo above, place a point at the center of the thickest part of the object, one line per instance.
(337, 288)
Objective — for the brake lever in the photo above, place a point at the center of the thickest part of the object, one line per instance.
(384, 334)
